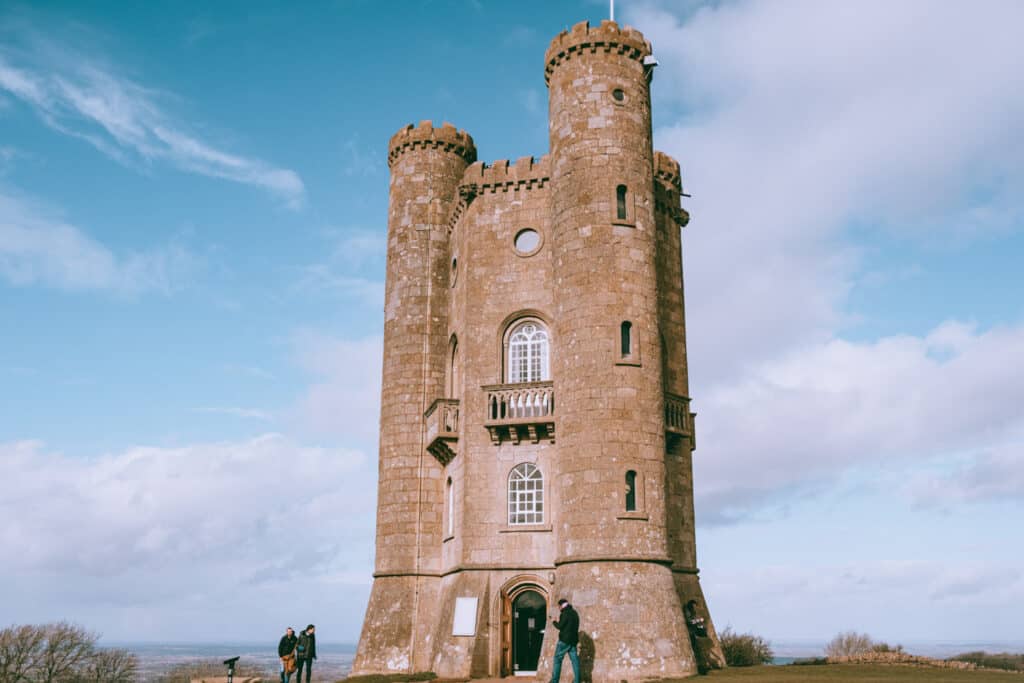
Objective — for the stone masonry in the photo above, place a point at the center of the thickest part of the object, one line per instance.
(599, 409)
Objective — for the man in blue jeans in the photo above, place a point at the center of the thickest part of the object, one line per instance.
(568, 625)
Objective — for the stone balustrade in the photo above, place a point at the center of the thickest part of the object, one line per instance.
(515, 411)
(678, 418)
(442, 418)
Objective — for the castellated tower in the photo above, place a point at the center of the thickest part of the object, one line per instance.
(536, 433)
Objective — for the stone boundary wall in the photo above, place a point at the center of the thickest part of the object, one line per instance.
(901, 658)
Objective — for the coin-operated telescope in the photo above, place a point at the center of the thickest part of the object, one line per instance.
(230, 664)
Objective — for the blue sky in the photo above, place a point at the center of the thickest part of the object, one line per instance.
(192, 220)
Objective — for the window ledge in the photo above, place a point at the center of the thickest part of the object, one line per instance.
(622, 222)
(633, 362)
(520, 528)
(632, 515)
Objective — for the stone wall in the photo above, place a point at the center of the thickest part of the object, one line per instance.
(901, 658)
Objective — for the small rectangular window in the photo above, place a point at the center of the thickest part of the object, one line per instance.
(620, 202)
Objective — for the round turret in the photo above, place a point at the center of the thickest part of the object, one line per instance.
(604, 250)
(425, 136)
(427, 163)
(612, 551)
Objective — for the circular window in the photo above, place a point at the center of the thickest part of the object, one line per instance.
(455, 271)
(618, 94)
(527, 242)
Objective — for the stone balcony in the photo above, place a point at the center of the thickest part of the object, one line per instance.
(520, 411)
(679, 419)
(442, 419)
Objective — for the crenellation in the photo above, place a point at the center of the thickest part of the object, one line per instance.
(608, 38)
(666, 170)
(427, 136)
(526, 173)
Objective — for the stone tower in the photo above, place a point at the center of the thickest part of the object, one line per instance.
(536, 433)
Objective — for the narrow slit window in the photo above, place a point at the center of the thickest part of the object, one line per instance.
(451, 508)
(630, 491)
(620, 202)
(626, 338)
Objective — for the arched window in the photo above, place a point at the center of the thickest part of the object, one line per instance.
(451, 507)
(630, 491)
(525, 495)
(626, 338)
(620, 202)
(528, 353)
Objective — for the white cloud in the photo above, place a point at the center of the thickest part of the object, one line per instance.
(995, 473)
(532, 101)
(37, 246)
(344, 397)
(350, 259)
(235, 411)
(520, 36)
(799, 121)
(248, 371)
(190, 529)
(804, 117)
(357, 247)
(359, 161)
(77, 96)
(937, 600)
(829, 407)
(324, 278)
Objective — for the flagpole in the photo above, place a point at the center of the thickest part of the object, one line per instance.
(612, 10)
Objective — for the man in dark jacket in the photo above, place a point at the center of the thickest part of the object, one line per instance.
(286, 651)
(568, 625)
(305, 653)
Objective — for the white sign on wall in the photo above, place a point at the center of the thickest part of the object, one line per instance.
(464, 622)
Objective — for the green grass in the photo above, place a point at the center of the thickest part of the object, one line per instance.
(853, 673)
(393, 678)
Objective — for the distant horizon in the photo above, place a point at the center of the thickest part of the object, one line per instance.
(785, 642)
(175, 643)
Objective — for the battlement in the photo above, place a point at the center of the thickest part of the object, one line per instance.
(426, 136)
(502, 176)
(666, 170)
(668, 185)
(608, 37)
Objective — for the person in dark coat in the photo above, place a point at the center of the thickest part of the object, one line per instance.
(568, 625)
(305, 653)
(286, 651)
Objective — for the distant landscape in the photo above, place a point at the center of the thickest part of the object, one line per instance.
(335, 659)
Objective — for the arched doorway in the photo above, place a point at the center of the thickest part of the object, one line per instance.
(525, 612)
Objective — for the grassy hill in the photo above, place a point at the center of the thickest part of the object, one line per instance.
(854, 673)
